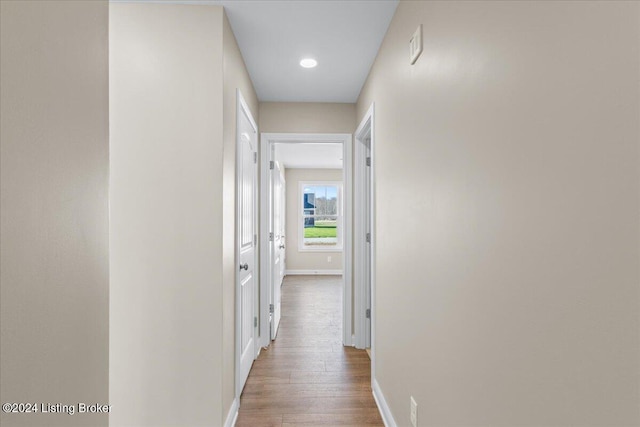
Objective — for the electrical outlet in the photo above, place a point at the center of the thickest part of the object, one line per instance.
(414, 412)
(329, 258)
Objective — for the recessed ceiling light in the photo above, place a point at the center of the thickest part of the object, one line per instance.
(308, 63)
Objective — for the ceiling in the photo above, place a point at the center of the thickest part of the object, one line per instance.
(274, 35)
(343, 36)
(309, 156)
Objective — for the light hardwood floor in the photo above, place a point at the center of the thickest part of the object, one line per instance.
(307, 377)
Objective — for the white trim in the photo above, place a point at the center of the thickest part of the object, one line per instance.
(361, 227)
(307, 138)
(361, 292)
(347, 254)
(374, 238)
(319, 249)
(266, 142)
(359, 240)
(383, 407)
(263, 242)
(313, 272)
(340, 217)
(232, 416)
(370, 115)
(243, 108)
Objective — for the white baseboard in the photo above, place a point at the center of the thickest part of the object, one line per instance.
(232, 416)
(313, 272)
(385, 412)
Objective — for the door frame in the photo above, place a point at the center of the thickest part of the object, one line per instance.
(279, 167)
(366, 128)
(266, 143)
(243, 108)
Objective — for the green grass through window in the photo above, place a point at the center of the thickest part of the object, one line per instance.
(322, 229)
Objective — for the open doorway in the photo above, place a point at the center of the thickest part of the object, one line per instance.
(305, 219)
(313, 351)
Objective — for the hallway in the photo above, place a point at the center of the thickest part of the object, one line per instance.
(307, 377)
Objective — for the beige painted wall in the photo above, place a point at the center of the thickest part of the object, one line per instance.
(166, 337)
(307, 117)
(235, 77)
(295, 259)
(519, 129)
(54, 301)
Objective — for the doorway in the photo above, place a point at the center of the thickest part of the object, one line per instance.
(276, 242)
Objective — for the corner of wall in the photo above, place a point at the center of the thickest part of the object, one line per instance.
(235, 78)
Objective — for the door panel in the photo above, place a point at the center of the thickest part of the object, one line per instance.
(246, 278)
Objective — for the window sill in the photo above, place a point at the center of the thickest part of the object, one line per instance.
(318, 249)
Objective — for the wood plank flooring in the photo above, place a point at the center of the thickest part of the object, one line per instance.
(306, 377)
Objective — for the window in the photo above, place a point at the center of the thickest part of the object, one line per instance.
(320, 216)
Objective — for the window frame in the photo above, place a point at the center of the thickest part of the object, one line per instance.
(340, 217)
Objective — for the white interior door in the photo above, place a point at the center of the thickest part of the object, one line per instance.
(278, 244)
(247, 239)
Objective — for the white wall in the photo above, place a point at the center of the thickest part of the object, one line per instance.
(508, 198)
(166, 92)
(54, 150)
(304, 260)
(307, 117)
